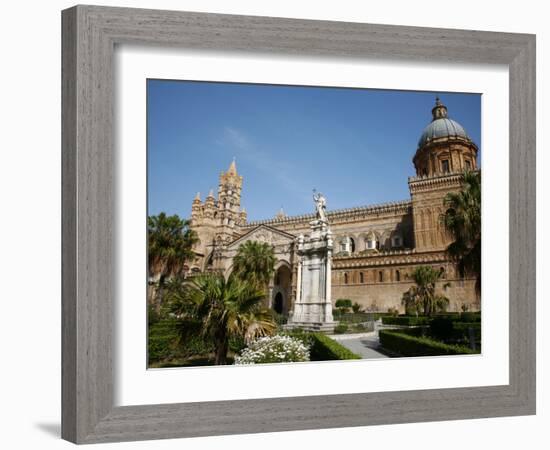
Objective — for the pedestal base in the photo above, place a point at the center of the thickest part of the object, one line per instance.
(324, 327)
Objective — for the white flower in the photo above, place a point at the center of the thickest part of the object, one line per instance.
(273, 349)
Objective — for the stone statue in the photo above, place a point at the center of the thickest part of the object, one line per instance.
(320, 205)
(312, 309)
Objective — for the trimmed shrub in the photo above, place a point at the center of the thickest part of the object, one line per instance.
(415, 331)
(441, 328)
(470, 317)
(406, 321)
(343, 303)
(406, 345)
(452, 331)
(341, 328)
(459, 326)
(324, 348)
(273, 349)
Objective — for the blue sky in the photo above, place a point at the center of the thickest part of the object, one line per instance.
(354, 145)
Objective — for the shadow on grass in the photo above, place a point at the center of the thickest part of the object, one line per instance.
(195, 361)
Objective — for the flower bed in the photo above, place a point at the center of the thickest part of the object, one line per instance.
(273, 349)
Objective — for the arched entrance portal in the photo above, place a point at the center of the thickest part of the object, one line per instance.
(280, 294)
(278, 303)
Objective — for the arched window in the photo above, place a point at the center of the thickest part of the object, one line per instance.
(372, 242)
(397, 276)
(380, 276)
(345, 278)
(343, 246)
(442, 272)
(396, 241)
(347, 244)
(361, 277)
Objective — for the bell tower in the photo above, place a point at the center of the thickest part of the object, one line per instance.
(215, 220)
(444, 153)
(229, 200)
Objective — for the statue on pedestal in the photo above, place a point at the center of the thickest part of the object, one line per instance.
(312, 309)
(320, 205)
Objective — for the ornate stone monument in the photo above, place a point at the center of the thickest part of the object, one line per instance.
(312, 309)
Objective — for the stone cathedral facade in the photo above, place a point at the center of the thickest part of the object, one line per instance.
(376, 247)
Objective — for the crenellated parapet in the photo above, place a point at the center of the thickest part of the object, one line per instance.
(424, 183)
(389, 258)
(341, 215)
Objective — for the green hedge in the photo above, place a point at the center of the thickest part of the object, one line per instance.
(447, 329)
(407, 321)
(324, 348)
(357, 317)
(406, 345)
(460, 317)
(415, 331)
(341, 328)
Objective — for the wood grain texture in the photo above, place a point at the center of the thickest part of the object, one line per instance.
(89, 36)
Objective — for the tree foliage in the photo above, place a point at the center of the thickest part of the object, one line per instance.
(463, 220)
(170, 243)
(422, 298)
(218, 309)
(254, 263)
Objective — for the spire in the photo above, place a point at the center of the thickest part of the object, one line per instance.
(232, 168)
(211, 193)
(281, 214)
(439, 111)
(197, 197)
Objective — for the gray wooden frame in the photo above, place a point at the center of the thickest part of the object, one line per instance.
(89, 36)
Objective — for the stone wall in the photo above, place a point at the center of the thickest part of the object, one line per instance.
(381, 296)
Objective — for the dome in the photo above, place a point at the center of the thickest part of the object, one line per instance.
(441, 126)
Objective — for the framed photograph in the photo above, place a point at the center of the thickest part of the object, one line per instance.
(296, 208)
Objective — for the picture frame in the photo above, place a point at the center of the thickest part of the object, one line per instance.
(90, 34)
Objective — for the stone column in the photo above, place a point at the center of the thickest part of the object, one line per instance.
(313, 308)
(328, 280)
(299, 281)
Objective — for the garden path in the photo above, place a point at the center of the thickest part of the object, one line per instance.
(364, 344)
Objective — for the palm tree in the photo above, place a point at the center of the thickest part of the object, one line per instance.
(463, 220)
(254, 263)
(170, 243)
(218, 309)
(423, 297)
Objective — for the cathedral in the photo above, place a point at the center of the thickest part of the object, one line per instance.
(376, 247)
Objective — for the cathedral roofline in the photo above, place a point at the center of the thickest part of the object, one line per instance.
(368, 209)
(272, 229)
